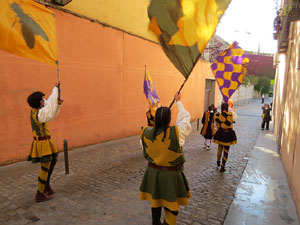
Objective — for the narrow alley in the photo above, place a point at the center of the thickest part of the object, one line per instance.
(103, 184)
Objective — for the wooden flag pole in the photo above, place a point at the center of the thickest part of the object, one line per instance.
(178, 93)
(58, 81)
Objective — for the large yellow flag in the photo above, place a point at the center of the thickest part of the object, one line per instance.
(184, 27)
(28, 29)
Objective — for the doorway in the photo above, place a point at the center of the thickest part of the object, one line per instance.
(209, 95)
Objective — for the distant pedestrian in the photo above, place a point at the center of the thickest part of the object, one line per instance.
(164, 183)
(262, 98)
(42, 149)
(266, 117)
(208, 129)
(225, 135)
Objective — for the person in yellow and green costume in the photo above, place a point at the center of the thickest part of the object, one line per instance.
(164, 183)
(42, 149)
(225, 135)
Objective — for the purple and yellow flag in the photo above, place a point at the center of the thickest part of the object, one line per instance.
(230, 69)
(28, 29)
(184, 27)
(151, 95)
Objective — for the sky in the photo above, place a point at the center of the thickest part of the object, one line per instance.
(250, 23)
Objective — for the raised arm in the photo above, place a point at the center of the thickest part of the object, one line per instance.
(51, 107)
(234, 115)
(183, 121)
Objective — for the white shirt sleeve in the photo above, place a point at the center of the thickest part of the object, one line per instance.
(183, 123)
(51, 107)
(234, 115)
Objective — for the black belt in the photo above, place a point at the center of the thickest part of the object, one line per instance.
(42, 138)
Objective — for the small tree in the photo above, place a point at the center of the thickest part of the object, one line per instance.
(246, 81)
(272, 82)
(263, 86)
(253, 79)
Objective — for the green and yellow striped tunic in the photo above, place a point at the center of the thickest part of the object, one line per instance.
(40, 150)
(164, 188)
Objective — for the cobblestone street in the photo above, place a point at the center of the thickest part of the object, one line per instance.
(103, 183)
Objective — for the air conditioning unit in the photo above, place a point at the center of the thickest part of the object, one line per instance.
(61, 2)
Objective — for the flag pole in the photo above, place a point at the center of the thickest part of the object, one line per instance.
(178, 92)
(58, 86)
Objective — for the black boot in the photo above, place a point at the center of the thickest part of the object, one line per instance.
(222, 169)
(48, 190)
(218, 163)
(41, 197)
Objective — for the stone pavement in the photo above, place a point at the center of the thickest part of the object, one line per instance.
(103, 183)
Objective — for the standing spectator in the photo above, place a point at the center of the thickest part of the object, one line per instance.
(262, 98)
(266, 117)
(208, 129)
(225, 135)
(164, 183)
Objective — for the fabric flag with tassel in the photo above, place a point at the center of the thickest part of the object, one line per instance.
(28, 29)
(230, 69)
(184, 27)
(152, 98)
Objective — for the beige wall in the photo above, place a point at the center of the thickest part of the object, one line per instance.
(286, 110)
(278, 94)
(101, 72)
(241, 94)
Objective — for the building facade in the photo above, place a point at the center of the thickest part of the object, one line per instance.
(286, 105)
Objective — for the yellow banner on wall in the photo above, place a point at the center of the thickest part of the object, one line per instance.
(28, 29)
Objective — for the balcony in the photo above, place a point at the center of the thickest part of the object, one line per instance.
(290, 13)
(295, 10)
(283, 39)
